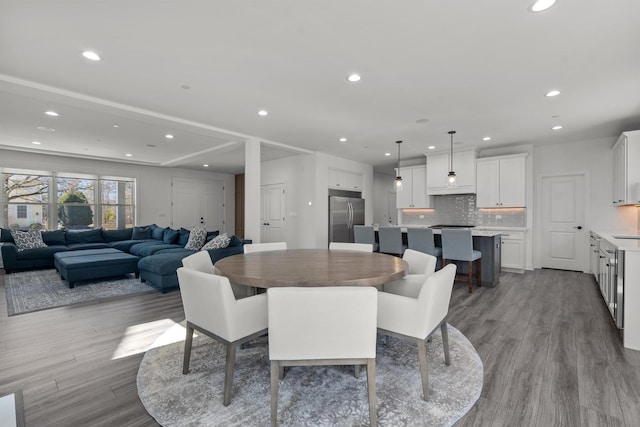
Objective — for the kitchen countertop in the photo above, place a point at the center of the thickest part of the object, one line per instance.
(476, 231)
(621, 243)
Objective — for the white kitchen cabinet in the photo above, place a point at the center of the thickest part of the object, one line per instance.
(413, 194)
(626, 169)
(464, 165)
(500, 181)
(344, 180)
(513, 250)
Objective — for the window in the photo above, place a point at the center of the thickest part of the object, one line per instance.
(75, 201)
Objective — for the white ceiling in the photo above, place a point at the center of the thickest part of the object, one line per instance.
(481, 68)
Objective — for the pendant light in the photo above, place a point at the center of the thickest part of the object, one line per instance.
(451, 177)
(398, 180)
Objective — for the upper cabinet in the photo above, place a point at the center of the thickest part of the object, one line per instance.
(626, 169)
(501, 181)
(464, 165)
(343, 180)
(413, 194)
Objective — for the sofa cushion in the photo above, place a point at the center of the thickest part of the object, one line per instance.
(31, 239)
(157, 233)
(41, 253)
(148, 250)
(5, 235)
(81, 246)
(197, 238)
(218, 242)
(55, 237)
(141, 233)
(117, 235)
(235, 241)
(184, 236)
(170, 236)
(124, 245)
(84, 236)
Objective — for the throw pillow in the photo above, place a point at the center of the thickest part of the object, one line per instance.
(235, 241)
(157, 232)
(218, 242)
(141, 233)
(31, 239)
(197, 238)
(184, 236)
(170, 236)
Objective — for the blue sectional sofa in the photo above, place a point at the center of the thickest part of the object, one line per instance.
(161, 250)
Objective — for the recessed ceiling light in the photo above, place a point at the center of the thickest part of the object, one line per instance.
(45, 129)
(168, 136)
(52, 113)
(205, 165)
(486, 138)
(540, 5)
(557, 127)
(422, 121)
(36, 142)
(343, 139)
(262, 113)
(116, 126)
(185, 87)
(91, 55)
(129, 155)
(354, 78)
(431, 147)
(387, 154)
(553, 92)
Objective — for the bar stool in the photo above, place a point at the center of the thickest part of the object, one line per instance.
(365, 234)
(457, 245)
(421, 239)
(391, 240)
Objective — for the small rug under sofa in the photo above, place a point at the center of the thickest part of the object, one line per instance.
(35, 290)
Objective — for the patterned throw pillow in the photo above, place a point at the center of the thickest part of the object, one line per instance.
(31, 239)
(197, 238)
(218, 242)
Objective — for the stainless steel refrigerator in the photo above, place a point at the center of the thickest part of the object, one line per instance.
(344, 213)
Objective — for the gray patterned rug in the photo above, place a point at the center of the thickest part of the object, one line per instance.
(309, 396)
(35, 290)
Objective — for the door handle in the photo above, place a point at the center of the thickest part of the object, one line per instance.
(578, 227)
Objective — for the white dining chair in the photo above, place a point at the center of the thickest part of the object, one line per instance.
(343, 246)
(421, 265)
(333, 325)
(415, 319)
(211, 308)
(261, 247)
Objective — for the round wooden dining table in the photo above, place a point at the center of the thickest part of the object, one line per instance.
(311, 267)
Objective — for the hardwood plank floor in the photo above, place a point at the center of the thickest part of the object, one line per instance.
(551, 355)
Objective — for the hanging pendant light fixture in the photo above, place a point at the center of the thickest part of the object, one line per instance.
(451, 177)
(398, 180)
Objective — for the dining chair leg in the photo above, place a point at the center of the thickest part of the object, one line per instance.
(371, 389)
(470, 276)
(275, 374)
(424, 374)
(188, 342)
(228, 372)
(479, 272)
(445, 342)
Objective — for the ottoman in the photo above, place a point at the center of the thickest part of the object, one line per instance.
(94, 264)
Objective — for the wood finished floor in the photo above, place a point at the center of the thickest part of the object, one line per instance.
(551, 356)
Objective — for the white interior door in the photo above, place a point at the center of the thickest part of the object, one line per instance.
(564, 236)
(195, 202)
(272, 213)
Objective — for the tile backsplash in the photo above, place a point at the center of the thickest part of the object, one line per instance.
(460, 209)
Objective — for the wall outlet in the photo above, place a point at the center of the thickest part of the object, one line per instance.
(421, 216)
(498, 216)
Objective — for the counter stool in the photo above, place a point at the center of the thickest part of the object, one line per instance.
(421, 239)
(391, 240)
(365, 234)
(457, 245)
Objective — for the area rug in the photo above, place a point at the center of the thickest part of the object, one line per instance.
(35, 290)
(308, 396)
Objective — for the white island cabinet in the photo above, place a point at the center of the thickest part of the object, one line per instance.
(500, 181)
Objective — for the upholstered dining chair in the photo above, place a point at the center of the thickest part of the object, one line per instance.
(415, 319)
(261, 247)
(201, 261)
(421, 265)
(210, 308)
(334, 325)
(457, 245)
(391, 240)
(365, 234)
(421, 239)
(343, 246)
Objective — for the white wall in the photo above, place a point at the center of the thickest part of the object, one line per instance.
(153, 183)
(382, 185)
(297, 173)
